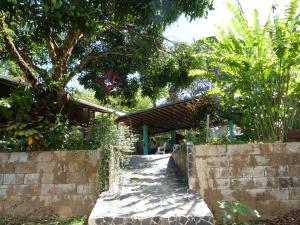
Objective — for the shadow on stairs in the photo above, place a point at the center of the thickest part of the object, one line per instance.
(151, 193)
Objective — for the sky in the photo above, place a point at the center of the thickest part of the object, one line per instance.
(184, 30)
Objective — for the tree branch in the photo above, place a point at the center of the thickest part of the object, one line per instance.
(90, 58)
(52, 49)
(15, 53)
(69, 43)
(65, 53)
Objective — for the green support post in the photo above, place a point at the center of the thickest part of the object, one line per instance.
(173, 138)
(146, 139)
(231, 130)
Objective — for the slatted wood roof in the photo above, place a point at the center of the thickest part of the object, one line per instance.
(175, 116)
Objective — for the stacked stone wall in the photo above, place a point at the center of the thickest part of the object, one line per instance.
(263, 176)
(48, 184)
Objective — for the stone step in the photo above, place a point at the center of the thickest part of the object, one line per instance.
(182, 220)
(151, 192)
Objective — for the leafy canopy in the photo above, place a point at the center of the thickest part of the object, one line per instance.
(53, 41)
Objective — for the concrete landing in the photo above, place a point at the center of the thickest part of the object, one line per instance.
(151, 193)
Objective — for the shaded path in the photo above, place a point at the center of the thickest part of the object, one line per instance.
(151, 193)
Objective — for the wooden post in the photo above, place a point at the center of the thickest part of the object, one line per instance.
(231, 130)
(146, 139)
(207, 126)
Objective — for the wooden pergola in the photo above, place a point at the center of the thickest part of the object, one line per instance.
(171, 117)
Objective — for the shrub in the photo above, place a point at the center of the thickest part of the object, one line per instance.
(236, 213)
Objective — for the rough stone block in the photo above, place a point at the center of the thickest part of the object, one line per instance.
(270, 171)
(294, 170)
(93, 188)
(59, 156)
(60, 178)
(247, 172)
(25, 167)
(241, 183)
(224, 172)
(47, 178)
(294, 193)
(44, 157)
(33, 178)
(288, 182)
(279, 148)
(61, 167)
(1, 179)
(5, 190)
(45, 167)
(223, 183)
(236, 172)
(13, 178)
(260, 182)
(7, 167)
(24, 189)
(255, 194)
(82, 188)
(65, 188)
(265, 148)
(47, 189)
(80, 178)
(262, 160)
(18, 157)
(218, 195)
(242, 149)
(258, 171)
(272, 182)
(277, 171)
(277, 194)
(4, 157)
(46, 200)
(277, 159)
(293, 147)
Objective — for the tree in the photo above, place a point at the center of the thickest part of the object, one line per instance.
(140, 103)
(168, 69)
(175, 71)
(101, 42)
(259, 71)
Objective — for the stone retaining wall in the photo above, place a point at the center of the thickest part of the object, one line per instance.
(264, 176)
(48, 184)
(180, 159)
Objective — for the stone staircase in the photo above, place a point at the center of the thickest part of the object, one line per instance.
(151, 192)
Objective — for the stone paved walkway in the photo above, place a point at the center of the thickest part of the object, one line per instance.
(151, 193)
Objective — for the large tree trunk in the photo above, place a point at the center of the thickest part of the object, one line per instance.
(173, 94)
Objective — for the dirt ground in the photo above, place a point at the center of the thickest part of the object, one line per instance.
(291, 218)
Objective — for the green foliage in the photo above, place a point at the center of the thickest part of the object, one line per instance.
(138, 103)
(258, 71)
(51, 42)
(168, 67)
(235, 213)
(115, 149)
(101, 133)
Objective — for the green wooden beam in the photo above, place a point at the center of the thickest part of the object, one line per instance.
(146, 139)
(231, 130)
(173, 138)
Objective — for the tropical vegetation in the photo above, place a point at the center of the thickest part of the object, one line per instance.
(256, 71)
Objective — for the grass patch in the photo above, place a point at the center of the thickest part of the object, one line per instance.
(26, 221)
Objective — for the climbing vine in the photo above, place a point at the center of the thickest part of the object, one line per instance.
(113, 155)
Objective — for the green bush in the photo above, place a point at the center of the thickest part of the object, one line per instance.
(236, 213)
(101, 133)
